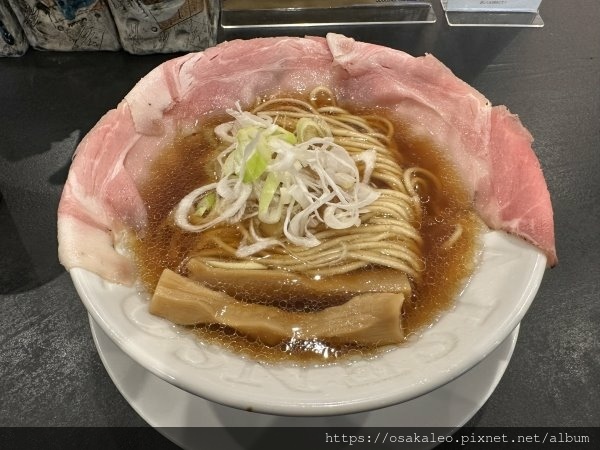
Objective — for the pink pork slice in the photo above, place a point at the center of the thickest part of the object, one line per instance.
(489, 147)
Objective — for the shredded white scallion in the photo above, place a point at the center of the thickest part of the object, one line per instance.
(274, 176)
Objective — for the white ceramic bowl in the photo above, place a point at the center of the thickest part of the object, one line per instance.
(486, 312)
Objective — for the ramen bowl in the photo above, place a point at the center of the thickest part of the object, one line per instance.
(487, 310)
(104, 194)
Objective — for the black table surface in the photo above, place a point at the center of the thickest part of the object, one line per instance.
(50, 372)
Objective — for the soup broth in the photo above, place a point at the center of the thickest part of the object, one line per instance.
(190, 161)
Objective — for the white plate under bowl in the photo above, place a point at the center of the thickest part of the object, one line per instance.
(486, 312)
(180, 416)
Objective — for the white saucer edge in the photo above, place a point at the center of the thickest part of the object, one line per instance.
(170, 409)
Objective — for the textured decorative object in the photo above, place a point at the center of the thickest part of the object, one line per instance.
(67, 25)
(12, 39)
(164, 26)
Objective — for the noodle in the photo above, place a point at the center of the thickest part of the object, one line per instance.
(388, 235)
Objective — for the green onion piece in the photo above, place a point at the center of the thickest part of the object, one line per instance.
(258, 161)
(285, 135)
(260, 156)
(205, 204)
(266, 196)
(307, 129)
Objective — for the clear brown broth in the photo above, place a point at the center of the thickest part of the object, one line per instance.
(190, 162)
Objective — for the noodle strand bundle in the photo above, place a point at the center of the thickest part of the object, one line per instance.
(385, 233)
